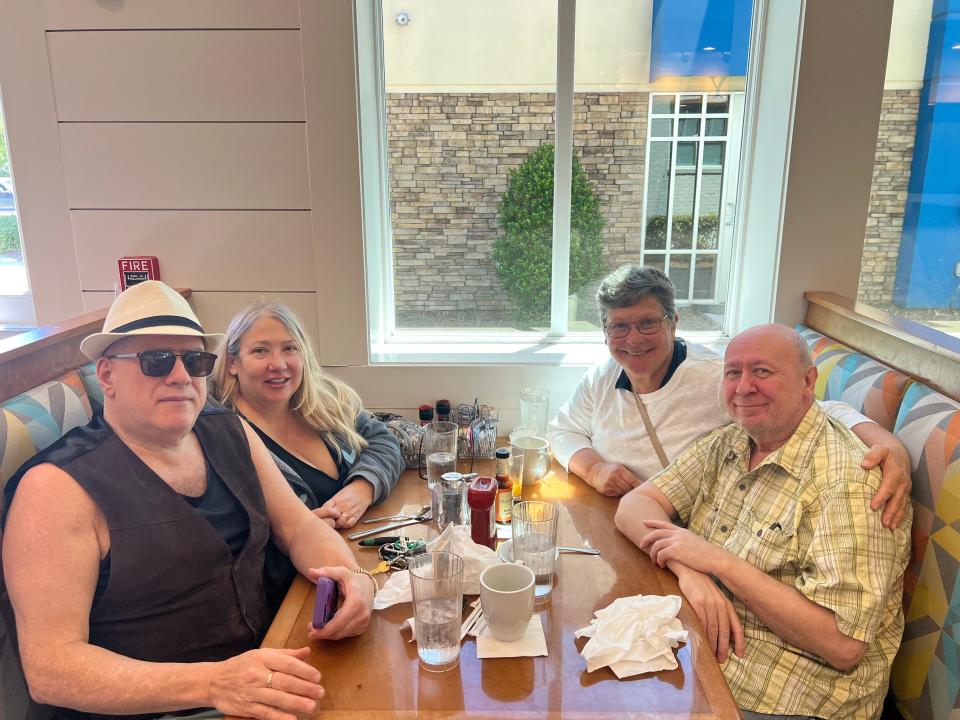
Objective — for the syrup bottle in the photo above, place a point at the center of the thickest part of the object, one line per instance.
(504, 486)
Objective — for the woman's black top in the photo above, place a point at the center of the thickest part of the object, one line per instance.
(323, 486)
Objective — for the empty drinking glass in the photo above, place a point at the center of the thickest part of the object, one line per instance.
(535, 409)
(436, 582)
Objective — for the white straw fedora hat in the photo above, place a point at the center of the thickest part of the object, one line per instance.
(148, 308)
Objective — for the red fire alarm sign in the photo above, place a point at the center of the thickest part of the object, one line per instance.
(135, 270)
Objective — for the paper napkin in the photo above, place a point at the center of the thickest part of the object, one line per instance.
(532, 644)
(634, 635)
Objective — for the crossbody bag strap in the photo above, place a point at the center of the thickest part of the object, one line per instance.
(651, 433)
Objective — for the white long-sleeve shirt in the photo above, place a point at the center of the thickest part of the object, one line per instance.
(600, 416)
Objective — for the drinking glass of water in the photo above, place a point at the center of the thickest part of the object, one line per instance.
(436, 581)
(535, 543)
(438, 452)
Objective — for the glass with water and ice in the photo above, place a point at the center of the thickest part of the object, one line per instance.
(436, 582)
(534, 525)
(440, 457)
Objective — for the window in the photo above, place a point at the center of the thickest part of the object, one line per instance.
(470, 111)
(911, 254)
(16, 307)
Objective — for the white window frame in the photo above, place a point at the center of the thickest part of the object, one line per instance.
(730, 169)
(771, 80)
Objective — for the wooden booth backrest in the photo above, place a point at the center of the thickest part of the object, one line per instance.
(907, 378)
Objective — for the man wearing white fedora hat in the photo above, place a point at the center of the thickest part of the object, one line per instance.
(133, 547)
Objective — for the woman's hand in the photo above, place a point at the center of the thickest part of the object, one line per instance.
(894, 491)
(351, 503)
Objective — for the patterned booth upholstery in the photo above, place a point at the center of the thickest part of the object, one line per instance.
(30, 422)
(926, 674)
(925, 679)
(858, 380)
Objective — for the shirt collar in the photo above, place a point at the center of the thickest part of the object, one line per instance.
(679, 355)
(795, 454)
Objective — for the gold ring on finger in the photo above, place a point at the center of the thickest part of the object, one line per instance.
(270, 679)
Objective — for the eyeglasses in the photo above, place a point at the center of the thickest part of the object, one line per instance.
(647, 326)
(159, 363)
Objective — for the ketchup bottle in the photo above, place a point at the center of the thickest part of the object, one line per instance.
(480, 497)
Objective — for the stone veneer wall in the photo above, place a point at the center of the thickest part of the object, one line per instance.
(449, 158)
(888, 195)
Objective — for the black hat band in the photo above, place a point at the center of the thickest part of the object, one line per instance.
(158, 321)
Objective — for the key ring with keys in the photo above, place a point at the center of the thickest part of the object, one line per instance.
(396, 553)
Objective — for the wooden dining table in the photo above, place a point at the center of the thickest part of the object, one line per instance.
(377, 675)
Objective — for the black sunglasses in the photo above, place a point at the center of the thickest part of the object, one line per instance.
(159, 363)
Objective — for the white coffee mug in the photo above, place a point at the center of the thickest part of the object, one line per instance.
(506, 595)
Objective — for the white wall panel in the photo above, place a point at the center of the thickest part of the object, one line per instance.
(218, 166)
(124, 14)
(203, 250)
(216, 309)
(96, 300)
(332, 129)
(234, 75)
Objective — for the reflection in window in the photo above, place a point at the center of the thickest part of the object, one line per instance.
(910, 264)
(687, 224)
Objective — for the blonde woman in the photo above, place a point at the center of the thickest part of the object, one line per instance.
(267, 372)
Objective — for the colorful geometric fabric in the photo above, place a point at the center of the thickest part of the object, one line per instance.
(88, 373)
(925, 678)
(31, 421)
(858, 380)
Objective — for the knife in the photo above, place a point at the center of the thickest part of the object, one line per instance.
(383, 528)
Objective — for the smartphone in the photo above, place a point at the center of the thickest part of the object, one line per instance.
(325, 605)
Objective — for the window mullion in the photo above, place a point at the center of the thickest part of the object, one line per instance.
(562, 166)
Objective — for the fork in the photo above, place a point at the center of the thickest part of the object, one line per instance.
(398, 516)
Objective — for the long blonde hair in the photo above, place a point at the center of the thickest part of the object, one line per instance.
(324, 403)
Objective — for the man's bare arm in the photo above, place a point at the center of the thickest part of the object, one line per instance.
(52, 546)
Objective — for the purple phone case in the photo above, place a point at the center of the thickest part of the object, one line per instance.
(325, 605)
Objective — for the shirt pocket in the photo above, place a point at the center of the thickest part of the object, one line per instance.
(771, 543)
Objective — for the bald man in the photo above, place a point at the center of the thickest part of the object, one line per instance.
(781, 556)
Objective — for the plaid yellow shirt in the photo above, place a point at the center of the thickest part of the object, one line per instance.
(803, 517)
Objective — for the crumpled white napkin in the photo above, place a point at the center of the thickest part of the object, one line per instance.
(634, 635)
(455, 539)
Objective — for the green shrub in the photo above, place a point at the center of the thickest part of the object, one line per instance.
(682, 227)
(9, 235)
(522, 254)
